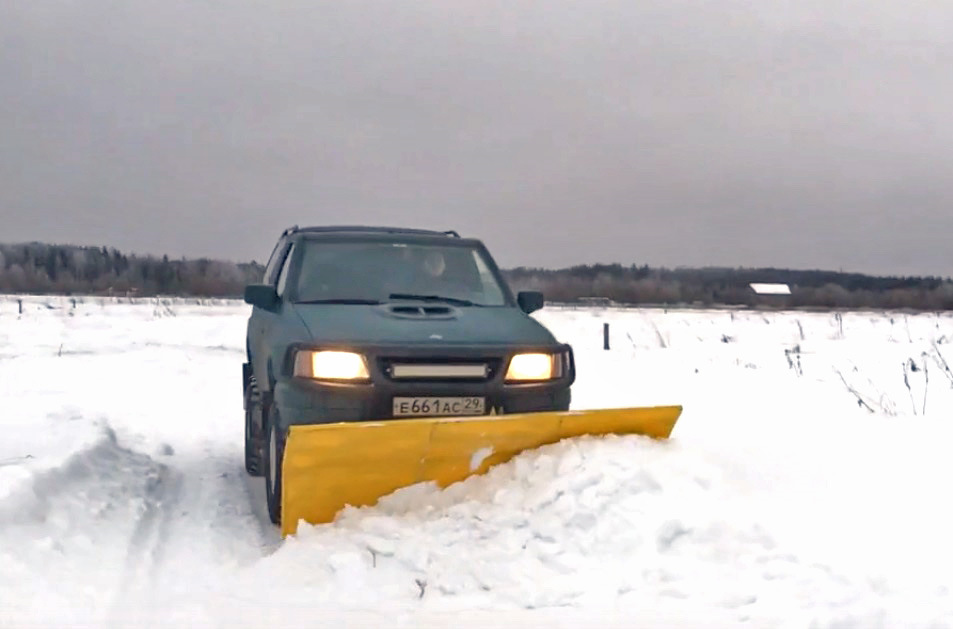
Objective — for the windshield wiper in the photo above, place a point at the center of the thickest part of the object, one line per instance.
(348, 302)
(449, 300)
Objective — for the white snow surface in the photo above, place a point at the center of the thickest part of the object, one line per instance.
(802, 487)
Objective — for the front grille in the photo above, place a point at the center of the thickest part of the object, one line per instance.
(439, 369)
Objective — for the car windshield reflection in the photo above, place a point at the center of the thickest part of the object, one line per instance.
(373, 272)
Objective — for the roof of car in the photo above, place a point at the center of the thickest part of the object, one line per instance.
(366, 229)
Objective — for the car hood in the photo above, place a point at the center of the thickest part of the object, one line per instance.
(361, 324)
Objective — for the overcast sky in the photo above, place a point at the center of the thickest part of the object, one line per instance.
(796, 133)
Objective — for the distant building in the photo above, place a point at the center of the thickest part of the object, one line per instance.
(771, 289)
(772, 294)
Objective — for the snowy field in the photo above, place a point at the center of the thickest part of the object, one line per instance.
(802, 487)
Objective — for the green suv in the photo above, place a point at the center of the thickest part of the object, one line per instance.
(359, 324)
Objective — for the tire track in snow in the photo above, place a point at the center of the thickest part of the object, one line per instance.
(199, 526)
(147, 544)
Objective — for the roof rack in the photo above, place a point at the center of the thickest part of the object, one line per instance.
(368, 229)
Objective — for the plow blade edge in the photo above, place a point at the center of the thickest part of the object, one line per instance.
(329, 466)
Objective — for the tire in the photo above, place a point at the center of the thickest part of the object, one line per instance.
(254, 443)
(274, 455)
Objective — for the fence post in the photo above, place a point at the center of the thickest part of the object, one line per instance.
(605, 336)
(20, 305)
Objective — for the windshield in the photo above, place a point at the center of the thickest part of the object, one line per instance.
(377, 272)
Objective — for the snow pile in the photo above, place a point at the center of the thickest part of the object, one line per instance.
(61, 527)
(604, 524)
(803, 486)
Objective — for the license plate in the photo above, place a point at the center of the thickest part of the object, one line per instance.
(438, 406)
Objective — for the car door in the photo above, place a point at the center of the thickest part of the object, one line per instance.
(262, 322)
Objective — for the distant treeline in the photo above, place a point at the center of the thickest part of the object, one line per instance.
(729, 286)
(40, 268)
(65, 269)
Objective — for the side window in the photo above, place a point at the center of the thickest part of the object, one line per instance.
(283, 273)
(277, 256)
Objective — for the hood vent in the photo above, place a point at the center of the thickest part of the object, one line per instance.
(407, 311)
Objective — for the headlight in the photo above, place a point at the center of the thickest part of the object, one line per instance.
(330, 365)
(533, 367)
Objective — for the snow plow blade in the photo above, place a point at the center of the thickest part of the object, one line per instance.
(329, 466)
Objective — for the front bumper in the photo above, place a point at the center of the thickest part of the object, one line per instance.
(305, 401)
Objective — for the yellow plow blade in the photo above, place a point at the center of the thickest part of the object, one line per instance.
(329, 466)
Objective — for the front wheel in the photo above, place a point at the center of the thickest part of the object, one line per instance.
(274, 455)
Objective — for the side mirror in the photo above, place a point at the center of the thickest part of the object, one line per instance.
(261, 295)
(530, 301)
